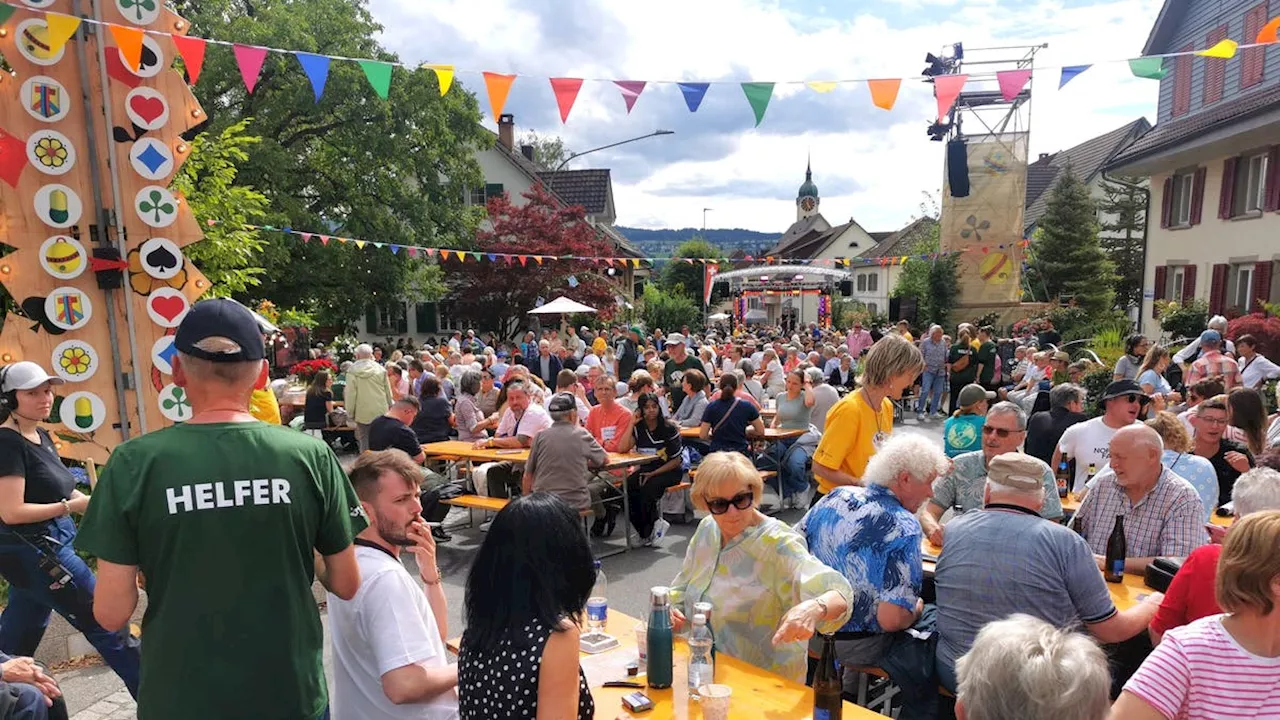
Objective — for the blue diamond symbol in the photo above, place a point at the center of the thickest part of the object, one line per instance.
(168, 354)
(152, 158)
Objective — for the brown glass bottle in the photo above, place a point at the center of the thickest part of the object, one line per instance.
(827, 686)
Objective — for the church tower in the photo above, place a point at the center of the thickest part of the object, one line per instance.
(807, 198)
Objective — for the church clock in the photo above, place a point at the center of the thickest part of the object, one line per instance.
(807, 204)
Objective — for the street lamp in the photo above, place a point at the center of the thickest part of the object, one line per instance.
(704, 217)
(574, 156)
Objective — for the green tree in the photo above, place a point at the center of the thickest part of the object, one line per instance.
(548, 150)
(230, 254)
(933, 283)
(395, 171)
(682, 278)
(666, 309)
(1124, 205)
(1065, 257)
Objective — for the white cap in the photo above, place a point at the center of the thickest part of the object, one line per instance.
(27, 376)
(675, 339)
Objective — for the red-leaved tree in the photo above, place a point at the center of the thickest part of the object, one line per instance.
(497, 294)
(1265, 328)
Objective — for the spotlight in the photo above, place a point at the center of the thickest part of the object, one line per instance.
(938, 131)
(957, 51)
(936, 66)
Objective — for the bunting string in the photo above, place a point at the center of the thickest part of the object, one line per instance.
(883, 91)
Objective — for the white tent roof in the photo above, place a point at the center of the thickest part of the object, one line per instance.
(718, 316)
(562, 306)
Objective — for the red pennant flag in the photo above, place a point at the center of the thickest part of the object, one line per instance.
(324, 240)
(524, 259)
(631, 90)
(947, 88)
(250, 59)
(509, 259)
(13, 158)
(192, 51)
(413, 252)
(1012, 82)
(306, 237)
(566, 91)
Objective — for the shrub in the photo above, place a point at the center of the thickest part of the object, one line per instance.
(1263, 327)
(1185, 320)
(1095, 382)
(668, 309)
(1071, 321)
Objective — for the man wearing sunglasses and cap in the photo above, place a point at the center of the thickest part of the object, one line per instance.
(1089, 442)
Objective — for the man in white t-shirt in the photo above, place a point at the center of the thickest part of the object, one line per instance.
(1089, 442)
(389, 657)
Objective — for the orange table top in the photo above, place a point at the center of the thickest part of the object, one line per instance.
(465, 450)
(769, 433)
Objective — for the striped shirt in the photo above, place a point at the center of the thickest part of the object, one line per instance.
(1167, 522)
(1213, 364)
(1200, 671)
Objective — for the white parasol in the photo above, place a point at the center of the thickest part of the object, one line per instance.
(562, 306)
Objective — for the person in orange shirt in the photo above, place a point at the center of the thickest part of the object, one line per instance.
(860, 423)
(608, 422)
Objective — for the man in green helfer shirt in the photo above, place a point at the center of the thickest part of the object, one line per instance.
(985, 358)
(679, 360)
(227, 519)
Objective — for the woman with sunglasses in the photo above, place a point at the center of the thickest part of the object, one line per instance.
(770, 594)
(657, 436)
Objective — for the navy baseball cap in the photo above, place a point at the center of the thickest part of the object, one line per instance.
(220, 318)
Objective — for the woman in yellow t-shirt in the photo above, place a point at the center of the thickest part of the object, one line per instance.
(861, 422)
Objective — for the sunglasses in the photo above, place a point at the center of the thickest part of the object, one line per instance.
(1132, 398)
(1001, 433)
(720, 506)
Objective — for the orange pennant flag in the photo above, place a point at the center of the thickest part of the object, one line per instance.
(1269, 32)
(884, 93)
(946, 88)
(444, 254)
(539, 258)
(129, 40)
(498, 86)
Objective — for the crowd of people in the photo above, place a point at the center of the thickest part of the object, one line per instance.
(226, 521)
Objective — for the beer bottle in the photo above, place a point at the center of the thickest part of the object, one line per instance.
(1061, 475)
(1114, 571)
(828, 703)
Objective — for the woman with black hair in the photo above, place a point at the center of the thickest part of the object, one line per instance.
(658, 436)
(1127, 367)
(524, 600)
(433, 422)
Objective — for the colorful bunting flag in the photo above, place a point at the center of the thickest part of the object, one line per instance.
(317, 69)
(444, 76)
(324, 240)
(6, 11)
(524, 259)
(758, 94)
(1070, 72)
(946, 88)
(306, 237)
(1266, 36)
(192, 51)
(631, 90)
(1151, 68)
(360, 244)
(395, 249)
(498, 86)
(444, 255)
(693, 94)
(1224, 49)
(566, 92)
(250, 59)
(379, 75)
(129, 40)
(61, 29)
(884, 93)
(822, 86)
(1012, 82)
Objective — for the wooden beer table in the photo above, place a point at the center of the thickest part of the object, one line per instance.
(770, 434)
(757, 693)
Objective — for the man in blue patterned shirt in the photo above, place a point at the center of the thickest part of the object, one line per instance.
(871, 536)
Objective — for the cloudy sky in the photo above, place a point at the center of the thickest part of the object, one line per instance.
(871, 165)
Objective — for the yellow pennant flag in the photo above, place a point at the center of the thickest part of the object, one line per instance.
(360, 244)
(822, 86)
(635, 262)
(444, 76)
(61, 28)
(1225, 49)
(129, 40)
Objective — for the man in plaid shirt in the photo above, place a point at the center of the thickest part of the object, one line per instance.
(1163, 516)
(1213, 363)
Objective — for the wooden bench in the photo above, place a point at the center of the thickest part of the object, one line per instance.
(487, 504)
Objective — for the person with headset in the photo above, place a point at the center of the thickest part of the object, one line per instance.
(37, 497)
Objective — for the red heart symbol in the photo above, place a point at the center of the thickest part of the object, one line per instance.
(147, 108)
(168, 306)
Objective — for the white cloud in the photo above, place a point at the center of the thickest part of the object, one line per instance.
(890, 156)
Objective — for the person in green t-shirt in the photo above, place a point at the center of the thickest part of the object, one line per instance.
(673, 372)
(225, 517)
(985, 358)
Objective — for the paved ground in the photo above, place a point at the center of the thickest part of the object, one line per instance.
(95, 693)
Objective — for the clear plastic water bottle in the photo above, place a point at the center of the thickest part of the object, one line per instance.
(701, 664)
(598, 603)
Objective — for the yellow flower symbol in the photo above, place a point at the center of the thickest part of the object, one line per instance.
(75, 361)
(51, 152)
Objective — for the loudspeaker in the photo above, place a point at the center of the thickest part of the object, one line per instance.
(109, 279)
(958, 167)
(846, 288)
(895, 307)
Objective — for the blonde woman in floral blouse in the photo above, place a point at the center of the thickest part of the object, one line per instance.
(769, 594)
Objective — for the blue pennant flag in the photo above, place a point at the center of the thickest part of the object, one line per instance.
(573, 281)
(493, 257)
(1069, 72)
(395, 249)
(693, 94)
(317, 69)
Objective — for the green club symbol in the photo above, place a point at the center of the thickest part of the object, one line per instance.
(177, 402)
(974, 227)
(138, 6)
(154, 204)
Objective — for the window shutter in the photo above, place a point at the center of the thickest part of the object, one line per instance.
(1228, 188)
(1261, 285)
(1188, 281)
(424, 317)
(492, 190)
(402, 320)
(371, 320)
(1273, 179)
(1166, 203)
(1162, 275)
(1197, 196)
(1252, 59)
(1218, 289)
(1215, 69)
(1182, 81)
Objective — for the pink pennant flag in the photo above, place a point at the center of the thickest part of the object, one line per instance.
(431, 252)
(509, 258)
(947, 88)
(1012, 82)
(413, 252)
(250, 59)
(324, 240)
(566, 92)
(306, 237)
(631, 90)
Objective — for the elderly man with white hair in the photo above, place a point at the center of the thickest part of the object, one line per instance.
(1191, 352)
(367, 396)
(1006, 559)
(872, 537)
(1021, 668)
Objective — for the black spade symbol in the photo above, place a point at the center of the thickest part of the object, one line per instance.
(33, 308)
(161, 259)
(148, 59)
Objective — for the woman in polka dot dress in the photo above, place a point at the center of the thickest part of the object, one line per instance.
(525, 596)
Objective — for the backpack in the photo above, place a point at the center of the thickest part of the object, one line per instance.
(961, 363)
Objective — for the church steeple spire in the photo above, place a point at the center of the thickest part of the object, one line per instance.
(807, 198)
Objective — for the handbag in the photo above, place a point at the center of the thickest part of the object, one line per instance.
(961, 363)
(338, 418)
(1159, 574)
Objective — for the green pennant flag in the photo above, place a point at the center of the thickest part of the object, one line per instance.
(379, 74)
(1151, 68)
(758, 94)
(6, 11)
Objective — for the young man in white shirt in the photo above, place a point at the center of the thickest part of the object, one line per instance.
(1089, 442)
(389, 656)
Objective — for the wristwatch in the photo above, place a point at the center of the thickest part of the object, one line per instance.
(66, 507)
